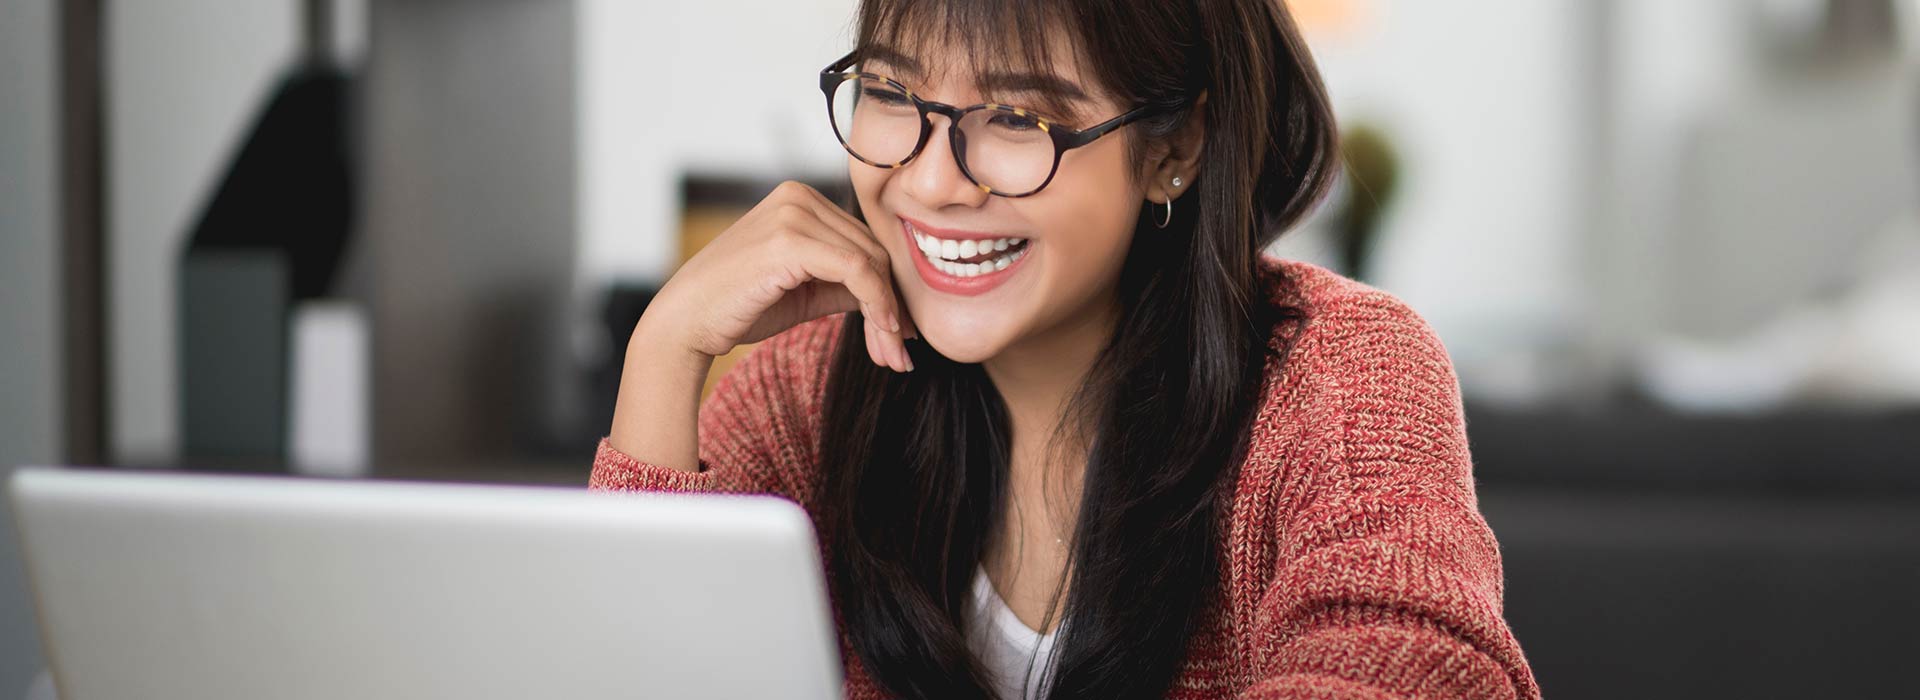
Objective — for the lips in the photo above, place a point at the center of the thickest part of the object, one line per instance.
(959, 285)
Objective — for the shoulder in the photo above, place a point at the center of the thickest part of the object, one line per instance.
(1353, 335)
(1356, 525)
(1341, 310)
(1360, 425)
(1364, 384)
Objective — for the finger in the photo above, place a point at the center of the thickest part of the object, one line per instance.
(826, 298)
(897, 348)
(843, 230)
(906, 358)
(885, 346)
(858, 234)
(843, 223)
(894, 348)
(835, 259)
(888, 349)
(851, 270)
(829, 214)
(873, 347)
(882, 262)
(827, 209)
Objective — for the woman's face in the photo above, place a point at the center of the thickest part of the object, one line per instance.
(1077, 230)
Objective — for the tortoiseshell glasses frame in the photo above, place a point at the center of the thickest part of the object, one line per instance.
(1064, 139)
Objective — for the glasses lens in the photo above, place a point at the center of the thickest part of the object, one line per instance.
(1006, 151)
(875, 120)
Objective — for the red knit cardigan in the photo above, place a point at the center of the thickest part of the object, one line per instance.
(1356, 561)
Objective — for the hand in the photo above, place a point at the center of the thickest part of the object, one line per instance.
(792, 258)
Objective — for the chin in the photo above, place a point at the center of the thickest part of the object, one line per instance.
(963, 342)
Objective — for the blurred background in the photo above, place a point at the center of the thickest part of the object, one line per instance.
(1673, 249)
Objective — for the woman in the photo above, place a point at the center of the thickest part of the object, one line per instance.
(1062, 429)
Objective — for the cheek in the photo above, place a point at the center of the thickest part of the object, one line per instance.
(1090, 208)
(867, 182)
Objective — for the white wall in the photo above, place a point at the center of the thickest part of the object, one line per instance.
(1744, 170)
(1583, 174)
(668, 86)
(1482, 102)
(1666, 62)
(1762, 165)
(30, 367)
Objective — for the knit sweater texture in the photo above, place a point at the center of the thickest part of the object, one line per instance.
(1356, 561)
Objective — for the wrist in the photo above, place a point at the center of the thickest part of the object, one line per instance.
(656, 346)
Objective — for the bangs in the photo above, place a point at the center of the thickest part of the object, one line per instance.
(1003, 47)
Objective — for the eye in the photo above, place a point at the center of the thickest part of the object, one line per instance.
(1013, 122)
(884, 95)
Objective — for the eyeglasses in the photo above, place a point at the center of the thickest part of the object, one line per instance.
(1003, 150)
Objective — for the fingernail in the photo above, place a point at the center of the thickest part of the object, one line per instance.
(893, 322)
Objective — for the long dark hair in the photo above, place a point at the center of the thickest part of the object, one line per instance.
(914, 467)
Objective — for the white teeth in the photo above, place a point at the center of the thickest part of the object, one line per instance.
(944, 254)
(975, 269)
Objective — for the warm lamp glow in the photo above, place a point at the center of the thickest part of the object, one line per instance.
(1328, 18)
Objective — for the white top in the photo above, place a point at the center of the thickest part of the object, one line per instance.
(1004, 644)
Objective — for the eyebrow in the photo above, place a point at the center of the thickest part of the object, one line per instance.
(1043, 83)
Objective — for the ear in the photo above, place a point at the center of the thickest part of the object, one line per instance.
(1180, 158)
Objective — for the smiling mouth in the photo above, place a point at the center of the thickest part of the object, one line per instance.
(966, 258)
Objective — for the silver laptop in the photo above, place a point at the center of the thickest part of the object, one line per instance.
(157, 585)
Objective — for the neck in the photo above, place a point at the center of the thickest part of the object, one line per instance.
(1037, 377)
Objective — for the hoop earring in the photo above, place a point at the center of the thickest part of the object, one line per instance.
(1168, 217)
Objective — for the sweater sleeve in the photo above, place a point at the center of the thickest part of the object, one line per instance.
(758, 427)
(1389, 580)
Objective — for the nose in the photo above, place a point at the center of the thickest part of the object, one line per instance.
(933, 178)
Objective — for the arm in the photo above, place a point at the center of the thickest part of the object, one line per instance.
(756, 433)
(1389, 583)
